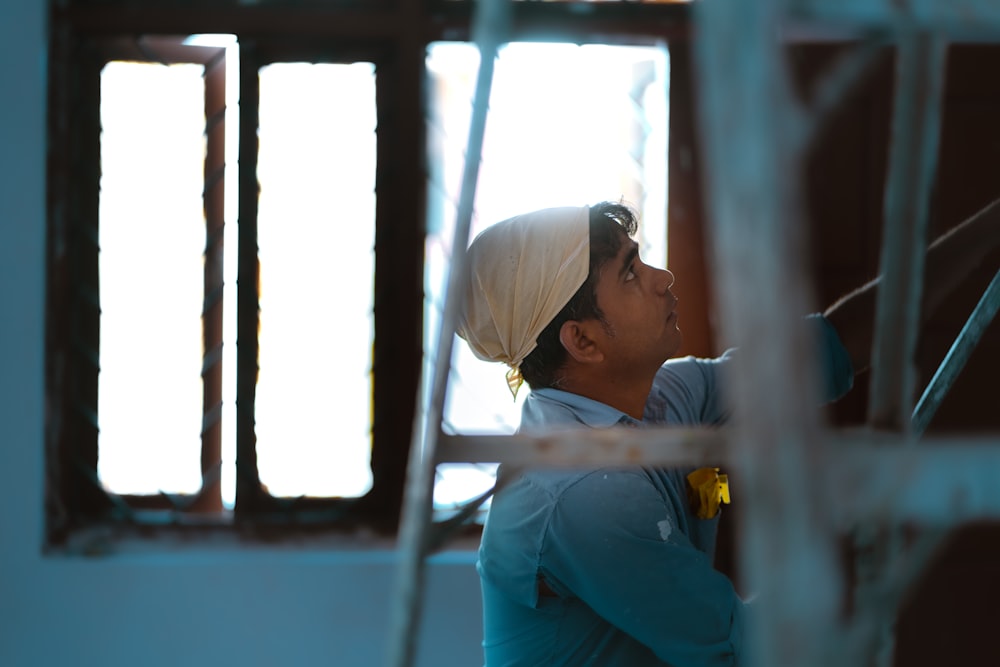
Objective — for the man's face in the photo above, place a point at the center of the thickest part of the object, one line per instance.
(639, 309)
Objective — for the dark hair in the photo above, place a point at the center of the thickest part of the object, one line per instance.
(609, 224)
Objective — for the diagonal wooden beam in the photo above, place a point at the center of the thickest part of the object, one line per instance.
(958, 354)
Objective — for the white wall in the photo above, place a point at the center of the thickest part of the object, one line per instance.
(186, 606)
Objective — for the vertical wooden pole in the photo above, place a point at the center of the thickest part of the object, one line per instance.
(489, 29)
(912, 161)
(752, 170)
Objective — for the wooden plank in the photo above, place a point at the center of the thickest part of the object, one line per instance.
(751, 170)
(939, 481)
(912, 161)
(970, 18)
(590, 448)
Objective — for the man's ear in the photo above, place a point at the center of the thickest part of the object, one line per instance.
(580, 345)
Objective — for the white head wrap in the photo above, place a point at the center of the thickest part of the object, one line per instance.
(522, 272)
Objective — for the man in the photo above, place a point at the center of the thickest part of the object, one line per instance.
(611, 566)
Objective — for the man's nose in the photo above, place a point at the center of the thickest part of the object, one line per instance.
(667, 280)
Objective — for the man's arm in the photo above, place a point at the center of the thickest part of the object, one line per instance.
(950, 259)
(615, 543)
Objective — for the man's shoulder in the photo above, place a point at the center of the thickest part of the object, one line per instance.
(686, 391)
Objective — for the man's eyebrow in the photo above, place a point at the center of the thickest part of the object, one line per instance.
(633, 252)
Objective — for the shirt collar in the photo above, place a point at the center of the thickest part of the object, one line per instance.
(555, 407)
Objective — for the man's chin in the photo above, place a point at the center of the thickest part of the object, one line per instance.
(678, 341)
(673, 348)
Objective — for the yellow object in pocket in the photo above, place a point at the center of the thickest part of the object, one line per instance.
(708, 489)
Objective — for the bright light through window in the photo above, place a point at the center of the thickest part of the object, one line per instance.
(568, 125)
(316, 234)
(316, 224)
(152, 237)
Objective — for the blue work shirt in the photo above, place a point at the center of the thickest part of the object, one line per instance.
(610, 567)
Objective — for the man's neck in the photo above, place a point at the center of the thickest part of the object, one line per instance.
(626, 394)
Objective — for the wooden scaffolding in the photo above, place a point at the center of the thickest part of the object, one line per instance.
(808, 484)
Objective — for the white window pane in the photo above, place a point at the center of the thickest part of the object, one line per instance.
(316, 234)
(152, 236)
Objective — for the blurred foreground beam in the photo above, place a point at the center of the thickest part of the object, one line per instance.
(916, 124)
(936, 480)
(750, 127)
(953, 17)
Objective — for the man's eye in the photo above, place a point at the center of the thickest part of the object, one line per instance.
(630, 274)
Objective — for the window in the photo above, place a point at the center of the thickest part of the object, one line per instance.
(258, 314)
(171, 307)
(540, 149)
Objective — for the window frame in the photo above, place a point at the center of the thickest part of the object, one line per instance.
(392, 34)
(170, 51)
(73, 312)
(397, 232)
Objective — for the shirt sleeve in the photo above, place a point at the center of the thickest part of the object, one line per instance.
(691, 390)
(836, 370)
(614, 543)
